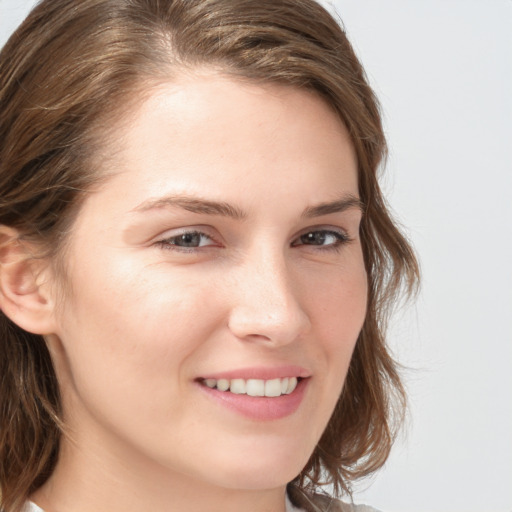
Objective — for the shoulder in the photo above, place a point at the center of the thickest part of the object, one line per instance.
(317, 502)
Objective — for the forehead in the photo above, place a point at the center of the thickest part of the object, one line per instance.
(208, 130)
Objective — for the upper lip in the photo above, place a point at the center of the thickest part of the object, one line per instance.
(260, 372)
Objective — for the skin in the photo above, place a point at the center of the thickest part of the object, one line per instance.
(142, 318)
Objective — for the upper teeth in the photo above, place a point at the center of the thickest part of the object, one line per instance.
(255, 387)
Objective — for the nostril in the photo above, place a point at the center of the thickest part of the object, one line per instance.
(268, 323)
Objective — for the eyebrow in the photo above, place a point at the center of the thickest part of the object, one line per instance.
(340, 205)
(208, 207)
(194, 205)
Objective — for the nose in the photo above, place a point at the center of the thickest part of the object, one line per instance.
(267, 305)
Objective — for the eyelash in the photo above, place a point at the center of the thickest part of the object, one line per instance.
(341, 238)
(168, 243)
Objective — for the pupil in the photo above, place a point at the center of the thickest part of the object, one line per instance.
(190, 239)
(317, 238)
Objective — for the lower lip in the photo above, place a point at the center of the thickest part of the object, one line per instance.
(259, 408)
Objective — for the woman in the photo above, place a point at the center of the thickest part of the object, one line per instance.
(196, 261)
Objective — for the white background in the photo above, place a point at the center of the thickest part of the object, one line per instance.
(443, 72)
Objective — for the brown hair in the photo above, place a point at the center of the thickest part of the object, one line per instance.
(64, 73)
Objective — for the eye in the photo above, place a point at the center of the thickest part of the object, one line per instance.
(187, 240)
(325, 238)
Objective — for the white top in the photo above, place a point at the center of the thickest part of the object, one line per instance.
(31, 507)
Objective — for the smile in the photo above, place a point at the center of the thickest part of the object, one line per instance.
(257, 399)
(254, 387)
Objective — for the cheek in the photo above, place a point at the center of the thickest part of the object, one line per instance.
(339, 305)
(133, 304)
(339, 315)
(337, 310)
(130, 333)
(131, 340)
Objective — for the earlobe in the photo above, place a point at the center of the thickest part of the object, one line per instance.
(24, 290)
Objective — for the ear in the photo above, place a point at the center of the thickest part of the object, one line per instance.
(24, 285)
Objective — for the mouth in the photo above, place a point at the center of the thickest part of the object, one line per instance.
(260, 393)
(270, 388)
(259, 399)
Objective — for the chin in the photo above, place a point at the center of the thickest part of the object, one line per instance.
(263, 470)
(257, 480)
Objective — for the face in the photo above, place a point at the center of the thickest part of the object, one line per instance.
(222, 251)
